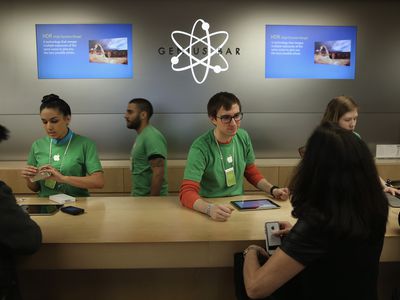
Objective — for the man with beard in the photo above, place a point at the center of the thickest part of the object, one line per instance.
(19, 234)
(219, 160)
(149, 152)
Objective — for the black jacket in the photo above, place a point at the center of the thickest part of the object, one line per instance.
(19, 234)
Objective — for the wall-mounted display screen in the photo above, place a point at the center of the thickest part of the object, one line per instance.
(84, 51)
(299, 51)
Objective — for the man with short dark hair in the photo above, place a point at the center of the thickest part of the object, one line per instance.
(19, 234)
(219, 160)
(149, 152)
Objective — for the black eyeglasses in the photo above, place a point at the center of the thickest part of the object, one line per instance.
(226, 119)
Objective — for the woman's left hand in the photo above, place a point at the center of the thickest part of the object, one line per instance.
(258, 250)
(391, 190)
(55, 174)
(284, 228)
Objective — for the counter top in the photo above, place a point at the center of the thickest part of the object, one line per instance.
(157, 232)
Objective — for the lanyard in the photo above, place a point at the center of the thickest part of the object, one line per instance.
(65, 153)
(221, 156)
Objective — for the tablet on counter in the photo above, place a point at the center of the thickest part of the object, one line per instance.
(255, 204)
(41, 209)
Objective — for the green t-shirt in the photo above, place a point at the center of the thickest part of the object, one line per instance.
(149, 143)
(204, 163)
(80, 159)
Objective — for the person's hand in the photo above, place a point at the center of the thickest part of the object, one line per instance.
(55, 174)
(220, 212)
(284, 228)
(257, 249)
(29, 171)
(391, 190)
(281, 193)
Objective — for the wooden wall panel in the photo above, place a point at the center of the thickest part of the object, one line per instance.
(285, 174)
(14, 180)
(127, 180)
(389, 171)
(118, 178)
(175, 177)
(114, 181)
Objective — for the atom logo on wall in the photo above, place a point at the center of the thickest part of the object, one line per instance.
(208, 51)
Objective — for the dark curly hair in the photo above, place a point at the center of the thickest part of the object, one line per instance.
(336, 185)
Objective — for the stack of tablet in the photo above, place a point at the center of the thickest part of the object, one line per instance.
(62, 198)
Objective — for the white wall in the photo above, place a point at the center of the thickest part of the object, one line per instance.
(279, 113)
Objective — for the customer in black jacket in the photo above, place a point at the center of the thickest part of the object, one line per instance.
(333, 250)
(19, 234)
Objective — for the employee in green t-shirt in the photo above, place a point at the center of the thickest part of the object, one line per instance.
(343, 110)
(149, 152)
(66, 162)
(219, 160)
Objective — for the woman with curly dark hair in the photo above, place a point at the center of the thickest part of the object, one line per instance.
(333, 250)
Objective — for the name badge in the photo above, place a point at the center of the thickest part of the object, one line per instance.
(230, 177)
(50, 183)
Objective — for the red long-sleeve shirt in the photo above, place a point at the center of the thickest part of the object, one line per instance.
(189, 190)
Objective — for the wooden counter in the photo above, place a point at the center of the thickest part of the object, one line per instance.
(157, 232)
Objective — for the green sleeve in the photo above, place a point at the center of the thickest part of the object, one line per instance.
(195, 164)
(31, 157)
(92, 161)
(250, 157)
(156, 146)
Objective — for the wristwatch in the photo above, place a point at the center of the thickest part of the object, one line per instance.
(271, 191)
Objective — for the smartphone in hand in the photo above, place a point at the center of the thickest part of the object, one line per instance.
(272, 241)
(40, 176)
